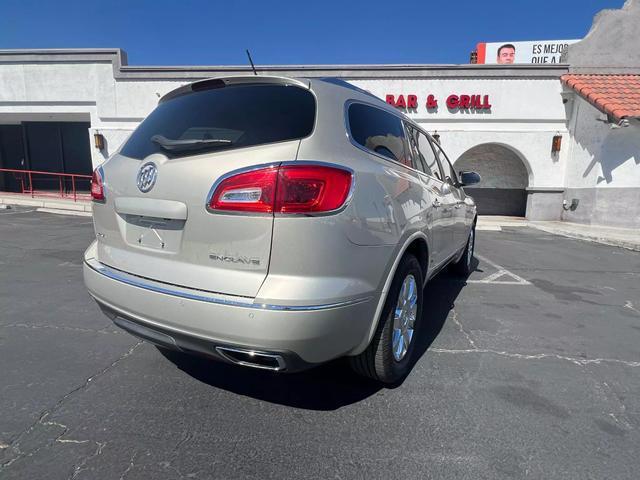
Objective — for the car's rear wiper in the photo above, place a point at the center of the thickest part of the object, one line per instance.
(192, 144)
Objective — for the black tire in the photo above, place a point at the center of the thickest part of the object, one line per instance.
(464, 266)
(378, 361)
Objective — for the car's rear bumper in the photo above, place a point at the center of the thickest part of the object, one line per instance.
(213, 324)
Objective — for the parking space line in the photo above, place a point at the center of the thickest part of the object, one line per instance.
(489, 228)
(501, 272)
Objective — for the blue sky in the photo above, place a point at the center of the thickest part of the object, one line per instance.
(286, 32)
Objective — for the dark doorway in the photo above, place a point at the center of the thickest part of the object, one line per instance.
(76, 150)
(60, 147)
(511, 202)
(44, 145)
(11, 156)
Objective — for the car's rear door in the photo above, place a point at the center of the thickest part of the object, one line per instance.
(154, 221)
(461, 223)
(438, 213)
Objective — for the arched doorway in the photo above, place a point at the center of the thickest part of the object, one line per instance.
(503, 189)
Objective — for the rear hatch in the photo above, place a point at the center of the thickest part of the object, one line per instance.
(154, 220)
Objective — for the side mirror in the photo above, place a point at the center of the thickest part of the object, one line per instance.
(469, 178)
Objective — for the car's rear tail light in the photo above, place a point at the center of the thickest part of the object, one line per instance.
(284, 189)
(311, 188)
(246, 192)
(97, 186)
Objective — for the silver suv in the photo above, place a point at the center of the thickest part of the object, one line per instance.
(277, 223)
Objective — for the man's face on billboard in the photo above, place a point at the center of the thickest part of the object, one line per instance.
(506, 55)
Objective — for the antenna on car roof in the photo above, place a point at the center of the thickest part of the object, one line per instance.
(253, 67)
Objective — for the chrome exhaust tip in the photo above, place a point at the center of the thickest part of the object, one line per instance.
(252, 358)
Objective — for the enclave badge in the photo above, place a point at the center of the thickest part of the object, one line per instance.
(147, 176)
(235, 259)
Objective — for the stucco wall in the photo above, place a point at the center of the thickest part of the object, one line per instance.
(611, 46)
(602, 156)
(115, 107)
(60, 83)
(526, 113)
(603, 171)
(542, 101)
(526, 101)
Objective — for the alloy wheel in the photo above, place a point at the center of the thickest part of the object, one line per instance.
(404, 317)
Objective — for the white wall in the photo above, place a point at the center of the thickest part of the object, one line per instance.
(602, 157)
(526, 123)
(525, 115)
(603, 172)
(56, 82)
(78, 91)
(526, 111)
(512, 99)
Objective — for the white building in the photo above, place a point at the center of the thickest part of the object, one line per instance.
(603, 168)
(498, 120)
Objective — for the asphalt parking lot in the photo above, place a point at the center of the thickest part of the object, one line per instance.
(531, 369)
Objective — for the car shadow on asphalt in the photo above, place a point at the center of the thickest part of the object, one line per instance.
(439, 299)
(326, 387)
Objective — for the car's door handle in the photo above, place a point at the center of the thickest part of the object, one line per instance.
(436, 203)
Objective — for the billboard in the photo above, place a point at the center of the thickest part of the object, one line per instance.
(546, 51)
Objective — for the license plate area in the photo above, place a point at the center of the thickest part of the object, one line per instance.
(163, 234)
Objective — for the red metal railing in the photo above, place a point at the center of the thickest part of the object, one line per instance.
(59, 185)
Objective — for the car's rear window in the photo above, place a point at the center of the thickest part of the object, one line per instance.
(237, 115)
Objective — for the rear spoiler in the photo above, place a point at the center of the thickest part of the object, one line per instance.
(222, 82)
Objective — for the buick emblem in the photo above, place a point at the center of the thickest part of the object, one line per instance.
(147, 177)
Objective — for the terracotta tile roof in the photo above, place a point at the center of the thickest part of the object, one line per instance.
(617, 95)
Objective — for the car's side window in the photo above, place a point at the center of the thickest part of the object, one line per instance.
(378, 131)
(418, 160)
(447, 169)
(428, 156)
(424, 158)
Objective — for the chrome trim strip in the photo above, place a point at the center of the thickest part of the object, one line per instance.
(139, 282)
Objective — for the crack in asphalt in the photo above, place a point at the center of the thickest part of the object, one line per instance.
(630, 306)
(611, 396)
(14, 445)
(571, 270)
(130, 466)
(78, 468)
(454, 318)
(538, 356)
